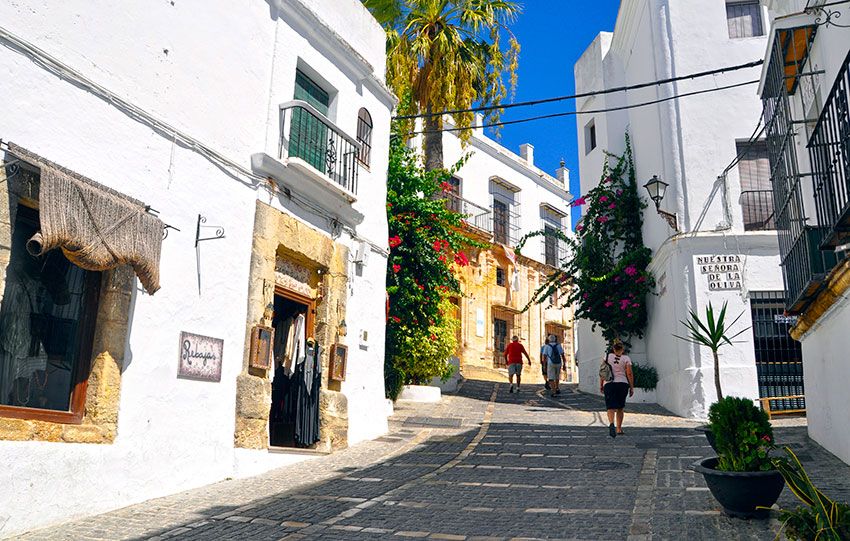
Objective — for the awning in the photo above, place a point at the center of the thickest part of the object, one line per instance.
(795, 45)
(96, 227)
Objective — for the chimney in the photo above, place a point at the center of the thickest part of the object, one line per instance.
(527, 152)
(563, 174)
(478, 124)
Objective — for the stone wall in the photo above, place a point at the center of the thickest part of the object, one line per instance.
(280, 236)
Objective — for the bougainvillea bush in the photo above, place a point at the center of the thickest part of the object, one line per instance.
(605, 275)
(426, 245)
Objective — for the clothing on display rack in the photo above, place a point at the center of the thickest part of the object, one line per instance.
(308, 377)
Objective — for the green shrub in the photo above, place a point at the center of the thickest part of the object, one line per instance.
(646, 377)
(743, 435)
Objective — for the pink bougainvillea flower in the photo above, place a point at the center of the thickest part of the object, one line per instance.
(640, 280)
(612, 206)
(579, 202)
(631, 270)
(579, 227)
(625, 303)
(619, 192)
(396, 268)
(584, 296)
(603, 199)
(609, 180)
(609, 304)
(395, 241)
(602, 219)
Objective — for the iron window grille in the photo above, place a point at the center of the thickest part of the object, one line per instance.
(505, 213)
(804, 266)
(364, 136)
(829, 150)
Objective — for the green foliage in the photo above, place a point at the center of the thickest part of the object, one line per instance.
(742, 433)
(712, 334)
(819, 517)
(426, 243)
(448, 54)
(606, 272)
(646, 377)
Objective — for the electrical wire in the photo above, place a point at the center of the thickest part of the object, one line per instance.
(657, 82)
(589, 112)
(231, 167)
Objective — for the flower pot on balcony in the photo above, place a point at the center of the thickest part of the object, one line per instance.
(742, 494)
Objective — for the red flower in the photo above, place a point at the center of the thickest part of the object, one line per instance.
(631, 270)
(579, 202)
(445, 186)
(437, 245)
(602, 219)
(395, 241)
(766, 438)
(433, 337)
(603, 199)
(461, 259)
(396, 268)
(396, 319)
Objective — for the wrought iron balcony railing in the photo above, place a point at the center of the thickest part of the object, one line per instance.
(757, 208)
(829, 149)
(310, 136)
(474, 215)
(503, 223)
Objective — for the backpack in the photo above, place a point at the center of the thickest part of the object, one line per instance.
(554, 351)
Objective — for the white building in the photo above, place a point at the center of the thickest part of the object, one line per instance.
(261, 126)
(724, 216)
(506, 196)
(804, 87)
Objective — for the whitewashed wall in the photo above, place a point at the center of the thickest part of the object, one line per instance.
(686, 142)
(217, 73)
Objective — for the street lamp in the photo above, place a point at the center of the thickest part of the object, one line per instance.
(657, 189)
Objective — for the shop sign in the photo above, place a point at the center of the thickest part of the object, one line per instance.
(200, 357)
(723, 272)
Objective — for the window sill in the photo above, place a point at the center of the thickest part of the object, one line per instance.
(298, 176)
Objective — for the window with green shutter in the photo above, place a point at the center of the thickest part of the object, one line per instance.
(308, 137)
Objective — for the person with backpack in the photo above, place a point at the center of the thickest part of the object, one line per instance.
(554, 354)
(616, 380)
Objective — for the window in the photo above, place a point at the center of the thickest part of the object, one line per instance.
(308, 137)
(501, 221)
(500, 340)
(47, 322)
(452, 196)
(756, 189)
(590, 137)
(744, 19)
(551, 246)
(505, 213)
(500, 277)
(364, 136)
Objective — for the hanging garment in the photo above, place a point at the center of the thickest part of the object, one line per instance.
(297, 339)
(309, 389)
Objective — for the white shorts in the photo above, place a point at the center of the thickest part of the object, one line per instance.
(515, 368)
(553, 371)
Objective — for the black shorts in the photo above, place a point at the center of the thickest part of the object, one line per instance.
(615, 395)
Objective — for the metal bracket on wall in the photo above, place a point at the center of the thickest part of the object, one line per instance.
(825, 16)
(218, 233)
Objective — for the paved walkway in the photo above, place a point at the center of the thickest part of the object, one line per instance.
(482, 465)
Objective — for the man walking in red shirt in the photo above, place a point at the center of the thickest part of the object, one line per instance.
(513, 356)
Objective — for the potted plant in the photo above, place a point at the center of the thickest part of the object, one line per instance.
(742, 477)
(712, 333)
(820, 518)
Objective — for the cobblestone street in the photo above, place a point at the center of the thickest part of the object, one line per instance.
(484, 464)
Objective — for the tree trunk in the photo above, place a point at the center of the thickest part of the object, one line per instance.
(717, 376)
(433, 142)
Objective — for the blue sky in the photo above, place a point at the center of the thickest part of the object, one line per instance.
(553, 34)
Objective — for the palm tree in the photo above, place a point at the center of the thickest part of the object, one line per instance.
(447, 55)
(711, 334)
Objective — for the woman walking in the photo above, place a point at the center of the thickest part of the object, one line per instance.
(615, 381)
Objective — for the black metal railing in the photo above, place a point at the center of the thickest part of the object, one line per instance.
(503, 223)
(803, 265)
(308, 135)
(474, 215)
(829, 149)
(757, 208)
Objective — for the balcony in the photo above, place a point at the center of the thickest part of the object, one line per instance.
(503, 223)
(757, 208)
(829, 149)
(474, 215)
(315, 159)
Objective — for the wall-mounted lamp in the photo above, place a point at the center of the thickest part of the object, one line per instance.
(657, 189)
(343, 328)
(268, 313)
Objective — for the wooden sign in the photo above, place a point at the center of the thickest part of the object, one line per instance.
(261, 347)
(200, 357)
(338, 361)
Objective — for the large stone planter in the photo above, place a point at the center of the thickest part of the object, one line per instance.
(420, 393)
(742, 494)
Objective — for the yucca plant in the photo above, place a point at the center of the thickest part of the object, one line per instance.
(712, 333)
(821, 518)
